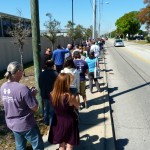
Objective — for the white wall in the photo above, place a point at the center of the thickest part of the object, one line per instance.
(9, 51)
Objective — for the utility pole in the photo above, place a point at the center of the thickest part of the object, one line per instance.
(36, 46)
(72, 25)
(99, 19)
(72, 13)
(94, 19)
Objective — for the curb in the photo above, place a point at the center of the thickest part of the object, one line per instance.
(109, 129)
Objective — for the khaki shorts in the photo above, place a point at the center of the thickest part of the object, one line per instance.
(82, 88)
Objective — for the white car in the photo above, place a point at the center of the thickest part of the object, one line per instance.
(118, 43)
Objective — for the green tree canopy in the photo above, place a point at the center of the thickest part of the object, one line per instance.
(53, 27)
(70, 30)
(88, 32)
(79, 32)
(113, 34)
(129, 23)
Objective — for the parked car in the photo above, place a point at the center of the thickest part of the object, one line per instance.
(118, 42)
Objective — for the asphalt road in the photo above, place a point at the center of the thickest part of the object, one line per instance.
(128, 73)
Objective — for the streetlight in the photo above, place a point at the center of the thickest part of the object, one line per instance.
(100, 16)
(94, 19)
(72, 13)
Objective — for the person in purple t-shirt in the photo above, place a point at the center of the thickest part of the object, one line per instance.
(19, 106)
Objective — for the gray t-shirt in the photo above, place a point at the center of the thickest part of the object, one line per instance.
(17, 100)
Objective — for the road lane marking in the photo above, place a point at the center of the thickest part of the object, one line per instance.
(138, 56)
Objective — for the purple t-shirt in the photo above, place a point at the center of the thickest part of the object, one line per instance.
(17, 100)
(82, 66)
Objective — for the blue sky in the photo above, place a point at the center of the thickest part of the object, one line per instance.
(61, 10)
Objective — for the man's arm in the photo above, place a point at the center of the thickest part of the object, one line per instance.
(34, 93)
(87, 68)
(53, 56)
(66, 51)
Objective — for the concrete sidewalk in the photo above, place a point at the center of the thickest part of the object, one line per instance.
(95, 122)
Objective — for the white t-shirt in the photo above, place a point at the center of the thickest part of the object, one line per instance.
(95, 49)
(76, 74)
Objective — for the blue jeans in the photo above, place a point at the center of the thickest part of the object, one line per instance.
(48, 112)
(33, 136)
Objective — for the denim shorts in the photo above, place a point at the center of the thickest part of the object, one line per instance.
(73, 91)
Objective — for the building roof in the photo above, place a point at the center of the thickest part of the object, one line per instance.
(4, 15)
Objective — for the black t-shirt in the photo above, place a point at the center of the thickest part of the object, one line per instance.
(46, 82)
(82, 67)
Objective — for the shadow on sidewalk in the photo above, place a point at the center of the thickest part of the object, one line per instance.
(111, 90)
(107, 70)
(88, 142)
(90, 124)
(121, 143)
(91, 118)
(98, 100)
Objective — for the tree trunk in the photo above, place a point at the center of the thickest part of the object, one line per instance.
(21, 58)
(52, 46)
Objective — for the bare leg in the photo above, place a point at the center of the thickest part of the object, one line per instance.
(78, 98)
(91, 84)
(97, 85)
(84, 99)
(62, 146)
(69, 147)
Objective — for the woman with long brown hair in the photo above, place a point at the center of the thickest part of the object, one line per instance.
(64, 129)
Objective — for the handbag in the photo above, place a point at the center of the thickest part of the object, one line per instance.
(96, 71)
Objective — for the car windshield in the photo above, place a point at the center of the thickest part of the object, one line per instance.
(118, 40)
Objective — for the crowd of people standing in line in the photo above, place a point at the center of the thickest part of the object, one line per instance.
(61, 81)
